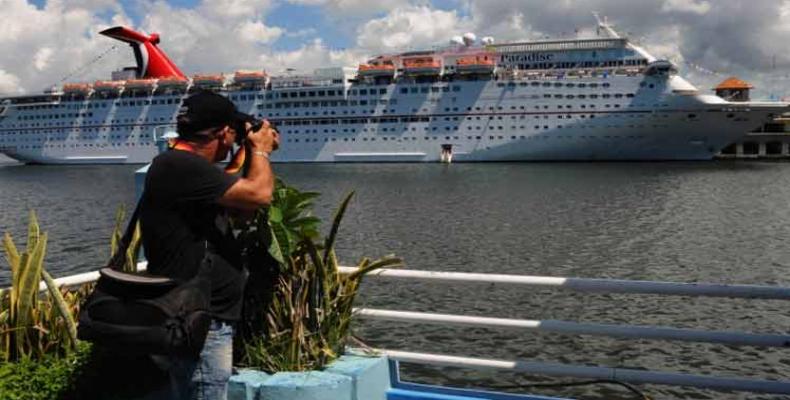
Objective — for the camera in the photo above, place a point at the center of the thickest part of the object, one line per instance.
(241, 127)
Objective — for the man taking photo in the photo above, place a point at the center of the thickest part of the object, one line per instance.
(184, 220)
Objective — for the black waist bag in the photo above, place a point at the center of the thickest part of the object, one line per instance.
(143, 313)
(147, 314)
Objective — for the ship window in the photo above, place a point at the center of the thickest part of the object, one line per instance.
(456, 88)
(558, 85)
(414, 89)
(607, 85)
(404, 90)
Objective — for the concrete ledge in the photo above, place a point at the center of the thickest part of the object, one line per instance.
(313, 385)
(369, 375)
(348, 378)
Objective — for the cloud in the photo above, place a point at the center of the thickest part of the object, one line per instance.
(257, 32)
(40, 46)
(735, 37)
(691, 6)
(354, 9)
(410, 27)
(9, 83)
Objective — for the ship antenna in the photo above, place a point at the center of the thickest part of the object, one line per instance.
(604, 24)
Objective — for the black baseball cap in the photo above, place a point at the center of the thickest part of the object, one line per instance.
(204, 110)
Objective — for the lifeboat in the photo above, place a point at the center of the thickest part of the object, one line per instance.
(140, 84)
(208, 80)
(77, 88)
(249, 77)
(172, 82)
(377, 70)
(108, 86)
(475, 64)
(422, 66)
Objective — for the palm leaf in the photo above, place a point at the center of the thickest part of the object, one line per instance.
(117, 232)
(33, 232)
(62, 306)
(330, 240)
(11, 253)
(30, 278)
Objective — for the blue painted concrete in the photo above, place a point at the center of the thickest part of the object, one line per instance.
(314, 385)
(246, 384)
(369, 375)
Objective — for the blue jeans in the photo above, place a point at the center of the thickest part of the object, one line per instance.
(205, 378)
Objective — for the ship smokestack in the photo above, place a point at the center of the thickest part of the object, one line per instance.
(152, 62)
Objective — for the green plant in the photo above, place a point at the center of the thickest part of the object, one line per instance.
(31, 325)
(300, 317)
(133, 251)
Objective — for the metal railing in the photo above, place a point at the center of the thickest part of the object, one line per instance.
(575, 328)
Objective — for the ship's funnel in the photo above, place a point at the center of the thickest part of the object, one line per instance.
(151, 60)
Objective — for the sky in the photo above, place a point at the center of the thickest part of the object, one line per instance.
(48, 42)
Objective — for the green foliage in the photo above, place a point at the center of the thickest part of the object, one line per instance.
(46, 378)
(31, 325)
(298, 308)
(133, 251)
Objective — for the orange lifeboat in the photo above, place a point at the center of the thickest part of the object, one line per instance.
(249, 77)
(172, 82)
(108, 86)
(208, 80)
(422, 66)
(77, 88)
(140, 84)
(475, 64)
(376, 70)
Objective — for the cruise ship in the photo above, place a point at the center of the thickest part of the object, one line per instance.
(602, 98)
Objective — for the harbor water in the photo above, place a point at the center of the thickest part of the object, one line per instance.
(718, 222)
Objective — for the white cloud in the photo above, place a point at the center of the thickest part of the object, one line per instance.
(411, 27)
(39, 46)
(9, 83)
(235, 8)
(355, 9)
(691, 6)
(42, 58)
(257, 32)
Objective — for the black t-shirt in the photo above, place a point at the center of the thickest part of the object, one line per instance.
(180, 215)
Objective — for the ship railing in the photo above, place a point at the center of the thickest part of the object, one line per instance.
(580, 285)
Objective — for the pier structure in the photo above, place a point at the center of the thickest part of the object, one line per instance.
(771, 141)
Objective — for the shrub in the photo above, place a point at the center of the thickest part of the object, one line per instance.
(34, 326)
(298, 308)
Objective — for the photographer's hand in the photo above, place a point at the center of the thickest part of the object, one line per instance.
(257, 188)
(265, 139)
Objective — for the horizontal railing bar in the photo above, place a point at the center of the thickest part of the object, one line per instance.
(565, 327)
(587, 372)
(574, 284)
(593, 285)
(83, 278)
